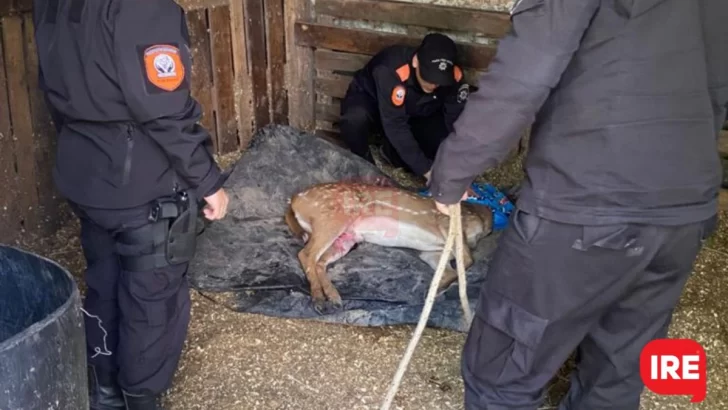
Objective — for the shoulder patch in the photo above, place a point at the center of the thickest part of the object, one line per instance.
(463, 93)
(403, 72)
(163, 66)
(398, 94)
(457, 73)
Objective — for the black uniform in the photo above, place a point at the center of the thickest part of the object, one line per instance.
(414, 123)
(116, 74)
(622, 181)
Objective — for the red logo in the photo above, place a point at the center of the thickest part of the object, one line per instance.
(675, 367)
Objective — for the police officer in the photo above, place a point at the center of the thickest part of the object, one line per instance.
(623, 176)
(133, 162)
(410, 95)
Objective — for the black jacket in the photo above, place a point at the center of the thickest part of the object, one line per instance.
(116, 74)
(626, 98)
(380, 77)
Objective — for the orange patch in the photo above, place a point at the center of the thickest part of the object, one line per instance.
(163, 66)
(458, 73)
(398, 95)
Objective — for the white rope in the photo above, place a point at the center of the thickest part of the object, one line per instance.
(455, 236)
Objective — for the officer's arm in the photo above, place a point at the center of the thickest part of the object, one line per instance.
(395, 121)
(455, 102)
(528, 65)
(153, 62)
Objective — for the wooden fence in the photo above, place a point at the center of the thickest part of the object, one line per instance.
(238, 77)
(255, 62)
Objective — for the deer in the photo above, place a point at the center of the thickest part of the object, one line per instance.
(331, 218)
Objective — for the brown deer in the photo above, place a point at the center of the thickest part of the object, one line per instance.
(331, 218)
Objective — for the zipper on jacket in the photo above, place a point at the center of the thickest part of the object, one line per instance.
(127, 159)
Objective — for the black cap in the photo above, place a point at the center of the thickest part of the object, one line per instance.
(436, 56)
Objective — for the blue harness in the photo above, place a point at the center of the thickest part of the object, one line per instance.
(491, 197)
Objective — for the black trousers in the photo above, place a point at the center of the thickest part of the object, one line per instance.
(554, 288)
(136, 322)
(360, 120)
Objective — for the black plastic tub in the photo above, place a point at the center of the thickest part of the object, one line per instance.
(42, 344)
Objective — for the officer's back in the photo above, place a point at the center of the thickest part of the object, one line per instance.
(114, 121)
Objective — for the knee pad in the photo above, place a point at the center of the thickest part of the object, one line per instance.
(170, 237)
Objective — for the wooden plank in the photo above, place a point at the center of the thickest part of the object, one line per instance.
(44, 137)
(276, 41)
(257, 60)
(335, 87)
(328, 112)
(299, 68)
(243, 82)
(723, 200)
(338, 61)
(370, 42)
(723, 143)
(223, 79)
(8, 176)
(201, 83)
(487, 23)
(21, 120)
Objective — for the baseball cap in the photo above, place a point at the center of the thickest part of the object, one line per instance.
(436, 56)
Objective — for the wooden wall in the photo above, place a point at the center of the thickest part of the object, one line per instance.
(238, 77)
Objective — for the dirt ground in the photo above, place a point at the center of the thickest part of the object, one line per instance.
(243, 361)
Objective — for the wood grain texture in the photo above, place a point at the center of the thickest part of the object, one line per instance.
(276, 42)
(255, 34)
(299, 68)
(486, 23)
(370, 42)
(201, 82)
(328, 112)
(223, 78)
(44, 137)
(339, 62)
(334, 87)
(243, 81)
(9, 211)
(21, 120)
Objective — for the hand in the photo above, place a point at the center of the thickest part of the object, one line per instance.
(217, 204)
(427, 176)
(445, 209)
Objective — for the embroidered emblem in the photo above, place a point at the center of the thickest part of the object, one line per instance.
(398, 95)
(163, 66)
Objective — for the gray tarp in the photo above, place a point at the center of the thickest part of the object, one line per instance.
(252, 253)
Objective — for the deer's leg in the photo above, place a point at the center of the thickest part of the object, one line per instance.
(341, 246)
(449, 276)
(323, 237)
(310, 271)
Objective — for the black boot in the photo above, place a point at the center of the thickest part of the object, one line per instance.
(103, 392)
(141, 402)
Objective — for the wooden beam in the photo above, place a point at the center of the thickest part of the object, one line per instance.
(276, 42)
(243, 81)
(370, 42)
(328, 112)
(190, 5)
(44, 138)
(337, 61)
(333, 87)
(257, 60)
(201, 78)
(487, 23)
(21, 120)
(223, 76)
(299, 68)
(9, 207)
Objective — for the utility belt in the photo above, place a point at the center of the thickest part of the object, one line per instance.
(169, 239)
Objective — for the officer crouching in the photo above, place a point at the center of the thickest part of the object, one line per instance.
(411, 96)
(133, 162)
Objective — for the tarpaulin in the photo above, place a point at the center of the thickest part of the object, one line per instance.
(252, 253)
